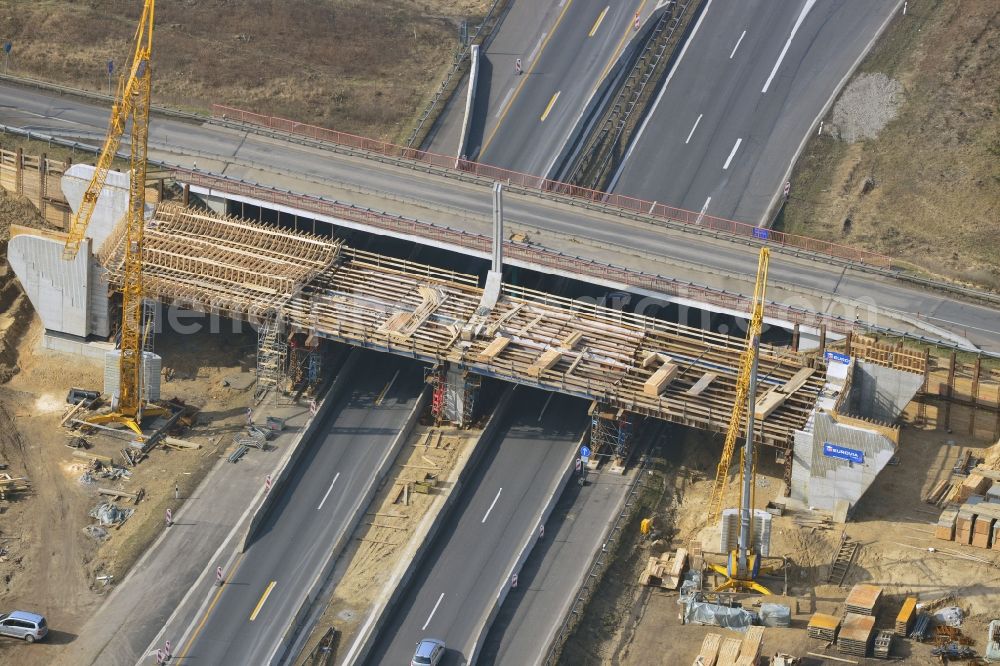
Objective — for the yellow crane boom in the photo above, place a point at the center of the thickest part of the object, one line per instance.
(132, 102)
(742, 387)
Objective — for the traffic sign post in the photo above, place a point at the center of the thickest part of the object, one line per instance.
(513, 581)
(111, 69)
(160, 657)
(7, 46)
(218, 576)
(170, 518)
(267, 483)
(166, 649)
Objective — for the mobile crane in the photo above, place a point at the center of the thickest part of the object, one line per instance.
(743, 565)
(131, 103)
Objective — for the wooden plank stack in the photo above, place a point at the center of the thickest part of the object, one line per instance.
(856, 634)
(863, 599)
(753, 640)
(823, 626)
(729, 652)
(665, 571)
(709, 650)
(945, 528)
(907, 614)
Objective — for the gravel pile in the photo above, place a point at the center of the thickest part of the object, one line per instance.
(867, 104)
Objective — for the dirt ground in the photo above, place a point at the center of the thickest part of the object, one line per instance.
(926, 190)
(629, 624)
(50, 564)
(336, 63)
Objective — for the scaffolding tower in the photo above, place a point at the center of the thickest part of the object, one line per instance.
(611, 433)
(453, 394)
(271, 356)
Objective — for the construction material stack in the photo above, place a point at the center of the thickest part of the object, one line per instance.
(856, 634)
(907, 614)
(823, 626)
(863, 599)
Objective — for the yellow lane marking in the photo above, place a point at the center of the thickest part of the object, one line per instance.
(597, 23)
(524, 78)
(548, 108)
(208, 611)
(263, 598)
(614, 56)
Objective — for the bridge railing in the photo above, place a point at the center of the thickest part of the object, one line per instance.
(651, 209)
(524, 252)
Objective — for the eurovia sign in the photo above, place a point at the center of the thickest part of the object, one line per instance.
(844, 453)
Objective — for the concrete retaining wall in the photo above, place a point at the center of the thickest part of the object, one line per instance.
(526, 546)
(470, 102)
(370, 630)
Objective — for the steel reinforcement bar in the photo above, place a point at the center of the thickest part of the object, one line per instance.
(607, 200)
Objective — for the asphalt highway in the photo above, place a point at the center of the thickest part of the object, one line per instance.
(397, 190)
(480, 542)
(262, 594)
(750, 84)
(529, 119)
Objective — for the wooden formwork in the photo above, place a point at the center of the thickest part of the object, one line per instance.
(960, 389)
(39, 180)
(323, 287)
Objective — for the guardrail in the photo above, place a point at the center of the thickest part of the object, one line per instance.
(532, 254)
(619, 202)
(597, 568)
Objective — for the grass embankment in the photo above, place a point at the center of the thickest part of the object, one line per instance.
(348, 64)
(932, 197)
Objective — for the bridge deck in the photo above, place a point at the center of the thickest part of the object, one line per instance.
(245, 270)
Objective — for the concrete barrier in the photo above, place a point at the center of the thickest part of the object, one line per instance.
(279, 478)
(396, 587)
(322, 578)
(470, 103)
(526, 546)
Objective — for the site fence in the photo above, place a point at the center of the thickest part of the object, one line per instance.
(614, 202)
(36, 178)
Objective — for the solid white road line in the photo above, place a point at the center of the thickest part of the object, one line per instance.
(733, 152)
(534, 51)
(691, 133)
(795, 28)
(703, 209)
(328, 491)
(738, 42)
(433, 610)
(503, 104)
(492, 505)
(652, 111)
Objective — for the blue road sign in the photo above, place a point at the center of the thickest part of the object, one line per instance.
(761, 234)
(7, 46)
(837, 356)
(111, 66)
(842, 452)
(584, 451)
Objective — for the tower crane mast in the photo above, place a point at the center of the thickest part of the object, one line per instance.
(131, 103)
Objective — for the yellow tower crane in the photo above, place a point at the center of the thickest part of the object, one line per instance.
(131, 102)
(744, 564)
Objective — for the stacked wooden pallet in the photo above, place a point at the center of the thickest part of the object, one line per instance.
(709, 650)
(823, 626)
(856, 634)
(863, 599)
(665, 571)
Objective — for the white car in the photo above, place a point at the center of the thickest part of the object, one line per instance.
(428, 653)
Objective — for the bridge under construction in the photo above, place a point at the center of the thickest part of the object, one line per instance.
(299, 282)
